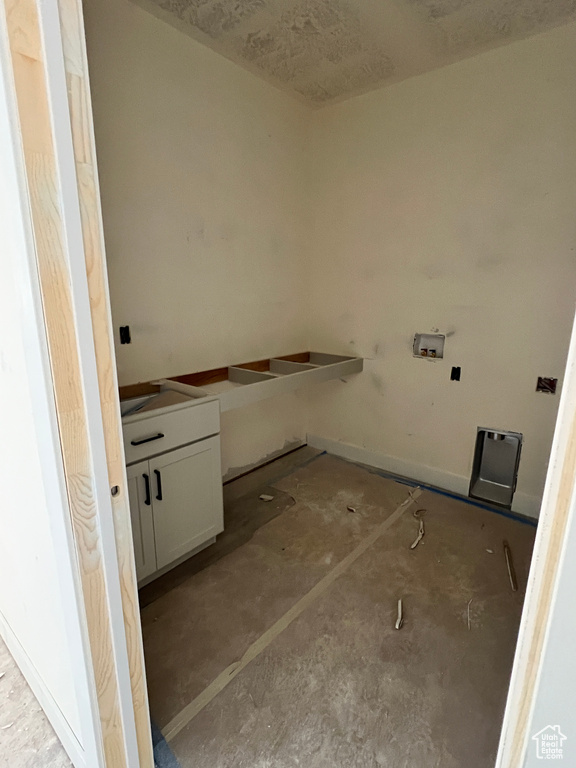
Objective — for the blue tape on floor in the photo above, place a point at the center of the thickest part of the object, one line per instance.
(449, 495)
(163, 755)
(488, 508)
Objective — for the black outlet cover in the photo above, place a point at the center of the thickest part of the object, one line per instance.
(546, 385)
(455, 375)
(125, 334)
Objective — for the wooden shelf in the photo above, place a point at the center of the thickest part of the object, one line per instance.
(246, 383)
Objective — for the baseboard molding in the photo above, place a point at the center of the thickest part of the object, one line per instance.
(234, 473)
(51, 709)
(523, 503)
(527, 505)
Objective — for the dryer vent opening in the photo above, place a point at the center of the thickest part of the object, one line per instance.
(495, 469)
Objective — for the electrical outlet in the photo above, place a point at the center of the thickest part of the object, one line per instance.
(455, 375)
(125, 334)
(546, 385)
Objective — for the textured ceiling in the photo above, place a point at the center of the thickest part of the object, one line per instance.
(325, 50)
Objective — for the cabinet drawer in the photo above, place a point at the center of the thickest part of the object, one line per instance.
(163, 432)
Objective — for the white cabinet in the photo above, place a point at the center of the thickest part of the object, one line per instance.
(142, 521)
(152, 432)
(176, 496)
(186, 499)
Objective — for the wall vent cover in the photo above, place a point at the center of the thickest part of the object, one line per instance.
(495, 469)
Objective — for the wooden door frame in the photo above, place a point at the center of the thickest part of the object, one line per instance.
(51, 86)
(556, 515)
(47, 58)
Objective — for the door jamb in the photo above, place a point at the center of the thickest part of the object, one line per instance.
(50, 79)
(60, 25)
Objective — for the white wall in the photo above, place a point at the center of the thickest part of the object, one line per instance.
(241, 225)
(31, 608)
(40, 610)
(201, 168)
(541, 693)
(447, 201)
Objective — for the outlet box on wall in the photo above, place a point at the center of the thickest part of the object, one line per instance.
(125, 337)
(429, 345)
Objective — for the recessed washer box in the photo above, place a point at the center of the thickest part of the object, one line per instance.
(429, 346)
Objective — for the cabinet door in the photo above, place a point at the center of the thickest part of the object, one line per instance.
(186, 498)
(142, 520)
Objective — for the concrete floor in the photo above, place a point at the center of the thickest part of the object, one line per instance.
(27, 739)
(339, 686)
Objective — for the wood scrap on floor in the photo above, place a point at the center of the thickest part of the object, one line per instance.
(296, 672)
(510, 566)
(400, 617)
(418, 515)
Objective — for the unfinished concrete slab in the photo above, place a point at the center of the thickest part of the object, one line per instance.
(202, 626)
(338, 685)
(27, 739)
(244, 514)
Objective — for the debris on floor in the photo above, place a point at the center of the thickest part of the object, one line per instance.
(265, 497)
(510, 566)
(428, 672)
(418, 539)
(490, 551)
(351, 509)
(400, 619)
(420, 536)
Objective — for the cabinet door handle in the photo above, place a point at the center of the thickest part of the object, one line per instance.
(147, 439)
(147, 484)
(159, 484)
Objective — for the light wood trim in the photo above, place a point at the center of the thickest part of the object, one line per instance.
(80, 106)
(30, 66)
(558, 498)
(261, 366)
(138, 390)
(202, 378)
(300, 357)
(41, 169)
(213, 376)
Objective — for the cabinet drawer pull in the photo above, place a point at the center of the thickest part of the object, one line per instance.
(147, 439)
(159, 484)
(147, 484)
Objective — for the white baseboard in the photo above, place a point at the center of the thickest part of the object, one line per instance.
(527, 505)
(235, 472)
(53, 713)
(523, 504)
